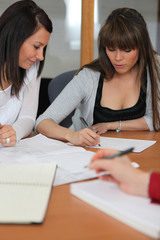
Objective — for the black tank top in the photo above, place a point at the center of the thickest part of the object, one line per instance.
(103, 114)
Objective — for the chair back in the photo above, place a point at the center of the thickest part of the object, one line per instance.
(55, 86)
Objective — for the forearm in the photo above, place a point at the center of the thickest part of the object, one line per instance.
(52, 130)
(23, 127)
(129, 125)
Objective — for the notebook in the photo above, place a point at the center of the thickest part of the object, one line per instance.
(24, 192)
(137, 212)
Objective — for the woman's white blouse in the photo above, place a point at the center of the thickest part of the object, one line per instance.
(20, 112)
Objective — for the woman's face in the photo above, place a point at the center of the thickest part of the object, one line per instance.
(32, 48)
(122, 60)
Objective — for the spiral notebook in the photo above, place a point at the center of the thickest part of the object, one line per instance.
(24, 192)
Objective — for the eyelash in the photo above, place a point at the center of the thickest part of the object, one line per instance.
(128, 50)
(112, 50)
(36, 47)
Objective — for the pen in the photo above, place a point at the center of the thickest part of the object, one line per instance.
(84, 122)
(86, 125)
(118, 154)
(121, 153)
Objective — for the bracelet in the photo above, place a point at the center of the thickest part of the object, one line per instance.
(120, 126)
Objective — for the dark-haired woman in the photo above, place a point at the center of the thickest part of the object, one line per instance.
(24, 34)
(118, 91)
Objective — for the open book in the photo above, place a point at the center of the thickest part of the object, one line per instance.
(25, 191)
(134, 211)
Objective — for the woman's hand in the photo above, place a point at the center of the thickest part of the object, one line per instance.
(100, 128)
(84, 137)
(128, 178)
(7, 135)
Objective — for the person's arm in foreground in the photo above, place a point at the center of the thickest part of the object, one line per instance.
(129, 179)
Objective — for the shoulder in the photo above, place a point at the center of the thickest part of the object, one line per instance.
(31, 74)
(89, 75)
(86, 82)
(88, 71)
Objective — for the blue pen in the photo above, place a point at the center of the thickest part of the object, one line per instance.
(86, 125)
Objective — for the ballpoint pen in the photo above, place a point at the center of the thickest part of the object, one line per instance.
(84, 122)
(86, 125)
(118, 154)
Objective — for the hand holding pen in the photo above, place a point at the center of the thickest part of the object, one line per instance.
(86, 125)
(121, 172)
(101, 154)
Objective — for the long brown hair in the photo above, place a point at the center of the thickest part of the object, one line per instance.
(18, 22)
(125, 29)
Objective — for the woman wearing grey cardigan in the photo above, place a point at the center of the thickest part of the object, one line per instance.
(118, 91)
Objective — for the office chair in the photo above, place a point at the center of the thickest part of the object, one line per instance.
(44, 101)
(55, 86)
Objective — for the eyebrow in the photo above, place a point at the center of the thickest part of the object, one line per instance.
(40, 43)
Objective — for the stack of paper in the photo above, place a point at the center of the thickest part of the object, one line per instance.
(137, 212)
(71, 160)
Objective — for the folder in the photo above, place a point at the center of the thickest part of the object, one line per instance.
(24, 192)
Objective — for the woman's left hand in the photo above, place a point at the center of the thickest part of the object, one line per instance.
(100, 128)
(8, 136)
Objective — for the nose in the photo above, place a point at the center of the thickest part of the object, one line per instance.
(40, 56)
(118, 55)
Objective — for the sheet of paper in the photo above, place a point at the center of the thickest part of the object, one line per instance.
(63, 176)
(124, 143)
(36, 149)
(70, 160)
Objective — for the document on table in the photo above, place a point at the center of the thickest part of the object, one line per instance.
(124, 143)
(70, 160)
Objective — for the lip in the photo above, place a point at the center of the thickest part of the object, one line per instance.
(119, 66)
(31, 62)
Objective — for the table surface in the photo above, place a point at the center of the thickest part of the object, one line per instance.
(70, 218)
